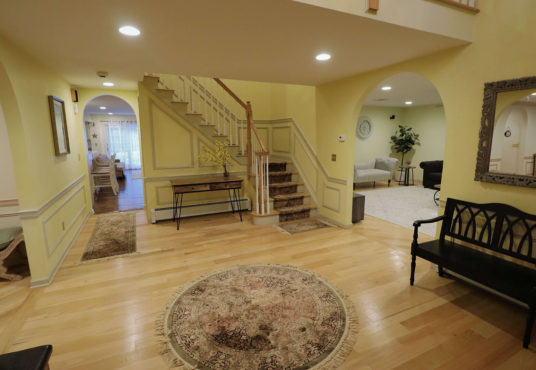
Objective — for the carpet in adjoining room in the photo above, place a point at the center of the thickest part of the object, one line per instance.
(402, 205)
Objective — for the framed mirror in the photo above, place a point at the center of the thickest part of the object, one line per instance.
(507, 146)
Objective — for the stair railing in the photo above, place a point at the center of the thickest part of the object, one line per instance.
(232, 119)
(258, 155)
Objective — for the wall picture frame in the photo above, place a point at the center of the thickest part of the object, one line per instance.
(59, 126)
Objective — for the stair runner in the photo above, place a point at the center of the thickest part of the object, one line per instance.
(287, 201)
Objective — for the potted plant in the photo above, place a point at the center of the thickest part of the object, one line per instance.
(220, 156)
(404, 140)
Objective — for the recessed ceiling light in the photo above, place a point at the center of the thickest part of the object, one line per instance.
(107, 83)
(129, 31)
(323, 57)
(110, 113)
(102, 108)
(386, 88)
(408, 102)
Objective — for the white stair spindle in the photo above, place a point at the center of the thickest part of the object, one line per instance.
(262, 184)
(267, 183)
(256, 187)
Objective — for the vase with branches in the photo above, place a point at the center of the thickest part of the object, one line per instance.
(219, 156)
(404, 140)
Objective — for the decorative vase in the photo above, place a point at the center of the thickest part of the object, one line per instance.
(225, 172)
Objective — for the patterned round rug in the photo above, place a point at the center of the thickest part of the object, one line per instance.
(257, 317)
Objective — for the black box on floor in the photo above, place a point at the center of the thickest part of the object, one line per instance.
(358, 207)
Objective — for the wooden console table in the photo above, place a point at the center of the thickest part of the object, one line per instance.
(198, 184)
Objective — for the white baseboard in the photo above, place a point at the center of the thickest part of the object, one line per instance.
(198, 209)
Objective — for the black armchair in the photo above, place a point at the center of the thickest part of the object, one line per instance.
(432, 173)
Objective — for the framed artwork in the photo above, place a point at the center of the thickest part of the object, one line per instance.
(59, 125)
(364, 127)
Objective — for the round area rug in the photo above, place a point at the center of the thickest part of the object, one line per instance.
(257, 317)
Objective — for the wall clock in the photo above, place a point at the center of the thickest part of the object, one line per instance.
(364, 127)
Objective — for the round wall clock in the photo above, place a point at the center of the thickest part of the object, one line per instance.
(364, 127)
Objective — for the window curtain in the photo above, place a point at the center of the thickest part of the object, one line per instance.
(123, 141)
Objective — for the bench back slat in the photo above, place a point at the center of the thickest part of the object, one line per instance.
(494, 226)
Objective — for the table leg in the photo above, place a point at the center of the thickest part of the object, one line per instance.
(238, 204)
(231, 199)
(181, 195)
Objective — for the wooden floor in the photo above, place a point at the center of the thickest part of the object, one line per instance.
(130, 195)
(100, 315)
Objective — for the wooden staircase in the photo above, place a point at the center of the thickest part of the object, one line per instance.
(287, 195)
(279, 193)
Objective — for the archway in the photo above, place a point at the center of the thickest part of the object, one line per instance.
(111, 132)
(400, 175)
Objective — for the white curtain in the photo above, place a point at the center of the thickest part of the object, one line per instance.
(124, 142)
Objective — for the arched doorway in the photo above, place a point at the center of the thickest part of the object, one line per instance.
(399, 149)
(111, 132)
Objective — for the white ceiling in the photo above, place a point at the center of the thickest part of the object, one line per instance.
(405, 86)
(257, 40)
(113, 105)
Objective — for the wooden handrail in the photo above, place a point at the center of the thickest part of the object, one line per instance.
(254, 128)
(230, 92)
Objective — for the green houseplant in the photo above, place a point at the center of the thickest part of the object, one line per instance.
(404, 140)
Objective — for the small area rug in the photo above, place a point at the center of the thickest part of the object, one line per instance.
(301, 226)
(257, 317)
(114, 234)
(402, 205)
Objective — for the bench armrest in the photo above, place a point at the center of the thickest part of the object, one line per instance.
(428, 221)
(418, 223)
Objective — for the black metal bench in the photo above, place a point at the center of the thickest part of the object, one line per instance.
(479, 237)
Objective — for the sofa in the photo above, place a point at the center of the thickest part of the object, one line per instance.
(379, 169)
(432, 172)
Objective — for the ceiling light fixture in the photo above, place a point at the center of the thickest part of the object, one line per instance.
(323, 57)
(129, 31)
(408, 102)
(386, 88)
(109, 84)
(102, 108)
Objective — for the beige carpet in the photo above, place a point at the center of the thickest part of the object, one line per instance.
(114, 234)
(257, 317)
(402, 205)
(302, 226)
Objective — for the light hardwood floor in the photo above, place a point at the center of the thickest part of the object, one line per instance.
(100, 315)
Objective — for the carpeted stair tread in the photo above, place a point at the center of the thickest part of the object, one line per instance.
(280, 173)
(295, 209)
(288, 196)
(285, 184)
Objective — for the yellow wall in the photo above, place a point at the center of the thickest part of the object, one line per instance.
(51, 189)
(378, 143)
(271, 101)
(500, 51)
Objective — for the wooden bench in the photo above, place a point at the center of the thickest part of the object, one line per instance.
(491, 244)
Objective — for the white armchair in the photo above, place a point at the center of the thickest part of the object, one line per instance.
(379, 169)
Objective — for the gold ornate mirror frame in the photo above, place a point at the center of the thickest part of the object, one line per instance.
(482, 173)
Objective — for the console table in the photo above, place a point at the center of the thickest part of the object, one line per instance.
(198, 184)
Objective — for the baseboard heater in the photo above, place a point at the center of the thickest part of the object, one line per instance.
(197, 209)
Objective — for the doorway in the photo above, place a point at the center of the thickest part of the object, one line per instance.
(399, 149)
(112, 137)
